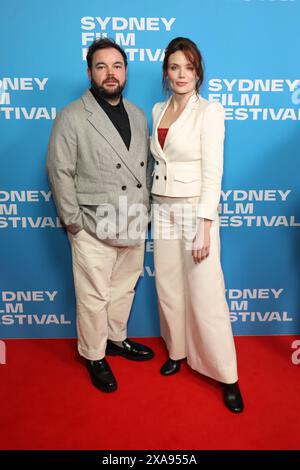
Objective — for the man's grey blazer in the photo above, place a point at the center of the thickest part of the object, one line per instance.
(90, 167)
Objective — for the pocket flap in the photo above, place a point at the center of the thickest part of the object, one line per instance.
(186, 177)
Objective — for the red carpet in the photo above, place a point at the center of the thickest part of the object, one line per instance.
(48, 402)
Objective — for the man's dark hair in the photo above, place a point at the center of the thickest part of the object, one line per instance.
(103, 43)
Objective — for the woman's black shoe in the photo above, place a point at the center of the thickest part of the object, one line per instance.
(170, 367)
(232, 397)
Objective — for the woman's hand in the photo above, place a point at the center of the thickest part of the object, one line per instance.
(201, 242)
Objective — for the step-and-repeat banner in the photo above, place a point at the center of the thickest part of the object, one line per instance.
(251, 54)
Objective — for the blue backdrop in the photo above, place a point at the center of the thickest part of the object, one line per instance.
(250, 49)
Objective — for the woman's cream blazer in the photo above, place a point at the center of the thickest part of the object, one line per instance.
(191, 163)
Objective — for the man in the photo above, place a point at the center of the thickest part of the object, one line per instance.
(98, 155)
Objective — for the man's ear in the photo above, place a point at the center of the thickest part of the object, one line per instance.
(89, 73)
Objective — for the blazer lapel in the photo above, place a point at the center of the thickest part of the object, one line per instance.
(101, 122)
(135, 142)
(175, 127)
(160, 114)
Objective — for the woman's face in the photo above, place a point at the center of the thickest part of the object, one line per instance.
(181, 74)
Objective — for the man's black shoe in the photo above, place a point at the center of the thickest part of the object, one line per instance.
(101, 375)
(129, 350)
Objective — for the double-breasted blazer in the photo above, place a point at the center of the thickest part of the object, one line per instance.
(89, 165)
(191, 162)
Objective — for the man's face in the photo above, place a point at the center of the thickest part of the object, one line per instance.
(108, 74)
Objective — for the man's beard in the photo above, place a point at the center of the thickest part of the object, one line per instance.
(108, 94)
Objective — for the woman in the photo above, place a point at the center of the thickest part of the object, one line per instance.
(187, 145)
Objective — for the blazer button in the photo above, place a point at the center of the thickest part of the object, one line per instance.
(118, 165)
(142, 163)
(165, 177)
(139, 185)
(124, 188)
(157, 177)
(157, 163)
